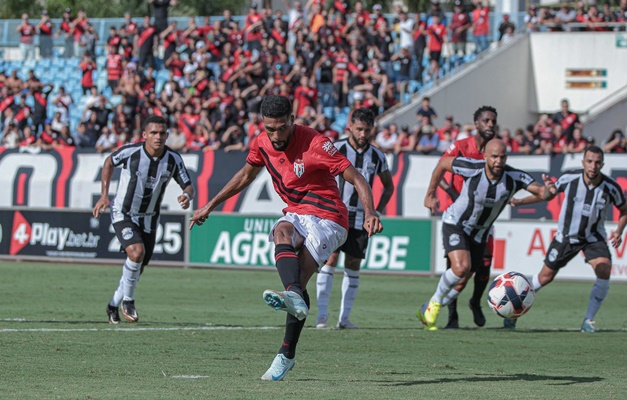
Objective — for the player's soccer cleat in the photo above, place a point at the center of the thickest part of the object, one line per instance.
(509, 323)
(477, 314)
(453, 318)
(346, 324)
(114, 315)
(322, 323)
(129, 312)
(428, 315)
(588, 326)
(287, 301)
(279, 368)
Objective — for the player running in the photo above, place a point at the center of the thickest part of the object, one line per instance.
(303, 165)
(489, 185)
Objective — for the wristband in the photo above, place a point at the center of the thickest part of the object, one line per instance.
(187, 195)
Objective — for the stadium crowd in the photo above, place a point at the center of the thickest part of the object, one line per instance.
(327, 60)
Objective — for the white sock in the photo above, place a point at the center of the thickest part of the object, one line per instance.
(452, 295)
(130, 276)
(535, 282)
(350, 285)
(448, 281)
(324, 284)
(597, 295)
(118, 295)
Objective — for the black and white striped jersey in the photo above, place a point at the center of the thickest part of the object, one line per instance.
(584, 209)
(370, 162)
(142, 184)
(481, 200)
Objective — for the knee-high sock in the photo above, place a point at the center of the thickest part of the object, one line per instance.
(448, 281)
(482, 278)
(324, 285)
(450, 299)
(293, 328)
(130, 276)
(118, 295)
(597, 295)
(350, 285)
(288, 267)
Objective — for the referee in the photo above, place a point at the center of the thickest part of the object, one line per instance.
(370, 162)
(147, 168)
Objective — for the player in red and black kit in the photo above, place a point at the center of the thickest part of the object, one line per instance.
(472, 147)
(303, 165)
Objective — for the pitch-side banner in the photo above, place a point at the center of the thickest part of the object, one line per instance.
(77, 235)
(70, 178)
(521, 246)
(242, 241)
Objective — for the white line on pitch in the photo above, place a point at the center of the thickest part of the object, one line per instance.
(189, 376)
(200, 328)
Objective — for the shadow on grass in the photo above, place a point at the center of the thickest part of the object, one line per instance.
(555, 380)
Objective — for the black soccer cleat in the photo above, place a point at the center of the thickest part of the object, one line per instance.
(453, 318)
(477, 313)
(129, 312)
(114, 314)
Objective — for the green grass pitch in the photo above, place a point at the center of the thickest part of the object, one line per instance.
(207, 334)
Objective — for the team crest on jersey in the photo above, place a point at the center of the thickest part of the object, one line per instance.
(299, 167)
(453, 240)
(127, 233)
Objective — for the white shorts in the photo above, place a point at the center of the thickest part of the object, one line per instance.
(322, 236)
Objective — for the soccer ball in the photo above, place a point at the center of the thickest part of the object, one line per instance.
(510, 295)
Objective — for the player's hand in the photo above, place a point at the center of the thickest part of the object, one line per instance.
(101, 206)
(372, 224)
(616, 239)
(184, 201)
(432, 203)
(549, 184)
(515, 202)
(199, 217)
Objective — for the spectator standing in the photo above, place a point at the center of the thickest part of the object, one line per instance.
(114, 69)
(438, 36)
(406, 29)
(420, 43)
(565, 16)
(566, 118)
(62, 103)
(429, 140)
(506, 25)
(531, 19)
(80, 27)
(129, 28)
(459, 28)
(45, 27)
(27, 38)
(145, 44)
(66, 29)
(426, 110)
(160, 12)
(87, 65)
(481, 26)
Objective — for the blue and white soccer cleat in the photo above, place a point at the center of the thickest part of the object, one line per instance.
(287, 301)
(588, 326)
(279, 368)
(509, 323)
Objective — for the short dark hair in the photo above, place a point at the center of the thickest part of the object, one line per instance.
(155, 119)
(364, 115)
(276, 106)
(483, 109)
(594, 149)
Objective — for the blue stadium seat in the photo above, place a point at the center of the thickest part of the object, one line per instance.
(328, 111)
(101, 61)
(72, 62)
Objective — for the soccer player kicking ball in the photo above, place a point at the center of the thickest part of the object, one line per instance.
(147, 168)
(303, 165)
(370, 162)
(581, 227)
(489, 184)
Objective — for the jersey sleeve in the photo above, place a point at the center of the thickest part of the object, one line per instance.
(383, 164)
(567, 178)
(452, 151)
(467, 167)
(181, 176)
(122, 154)
(254, 156)
(616, 192)
(329, 156)
(522, 179)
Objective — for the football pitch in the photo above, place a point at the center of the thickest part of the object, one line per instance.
(207, 334)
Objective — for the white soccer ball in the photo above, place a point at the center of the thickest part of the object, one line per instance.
(510, 295)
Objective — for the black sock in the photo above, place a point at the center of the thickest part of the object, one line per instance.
(452, 307)
(293, 328)
(482, 278)
(288, 267)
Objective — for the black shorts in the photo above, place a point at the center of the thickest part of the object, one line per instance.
(129, 233)
(454, 238)
(356, 243)
(559, 254)
(435, 56)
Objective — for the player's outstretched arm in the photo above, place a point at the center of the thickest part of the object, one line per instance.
(616, 238)
(540, 193)
(103, 202)
(372, 223)
(431, 200)
(238, 182)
